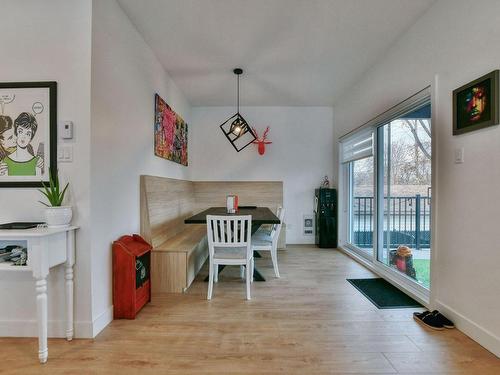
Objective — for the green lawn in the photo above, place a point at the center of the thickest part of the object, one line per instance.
(423, 271)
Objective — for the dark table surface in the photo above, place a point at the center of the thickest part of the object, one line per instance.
(260, 215)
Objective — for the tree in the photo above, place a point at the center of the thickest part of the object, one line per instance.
(413, 127)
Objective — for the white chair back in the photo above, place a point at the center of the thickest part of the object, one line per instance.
(229, 231)
(229, 243)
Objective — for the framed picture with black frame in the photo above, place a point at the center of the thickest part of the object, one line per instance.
(475, 105)
(28, 133)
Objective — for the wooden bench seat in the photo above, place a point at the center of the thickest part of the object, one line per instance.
(184, 241)
(176, 262)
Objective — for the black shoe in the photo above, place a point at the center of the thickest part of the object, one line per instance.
(428, 319)
(447, 323)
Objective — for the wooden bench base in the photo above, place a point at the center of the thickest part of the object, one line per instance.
(175, 263)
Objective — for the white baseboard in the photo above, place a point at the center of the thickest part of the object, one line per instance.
(476, 332)
(102, 321)
(55, 328)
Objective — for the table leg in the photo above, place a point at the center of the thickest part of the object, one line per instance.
(257, 276)
(69, 302)
(70, 261)
(41, 309)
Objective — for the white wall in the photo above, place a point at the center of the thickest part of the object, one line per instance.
(300, 155)
(50, 41)
(457, 40)
(125, 77)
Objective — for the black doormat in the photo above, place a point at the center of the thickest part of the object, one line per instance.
(383, 294)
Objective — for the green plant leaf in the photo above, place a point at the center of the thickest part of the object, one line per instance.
(63, 193)
(45, 204)
(46, 193)
(52, 190)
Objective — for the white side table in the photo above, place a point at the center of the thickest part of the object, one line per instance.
(47, 248)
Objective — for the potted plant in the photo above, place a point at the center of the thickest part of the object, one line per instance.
(56, 215)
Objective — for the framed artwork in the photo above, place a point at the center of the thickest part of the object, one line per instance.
(171, 133)
(28, 133)
(475, 105)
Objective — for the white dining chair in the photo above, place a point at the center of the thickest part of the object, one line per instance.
(268, 241)
(229, 243)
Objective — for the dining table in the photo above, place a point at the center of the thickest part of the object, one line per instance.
(260, 216)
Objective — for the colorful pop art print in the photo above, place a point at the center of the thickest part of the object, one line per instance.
(475, 105)
(28, 133)
(170, 133)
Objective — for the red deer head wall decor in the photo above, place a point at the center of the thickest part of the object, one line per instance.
(261, 142)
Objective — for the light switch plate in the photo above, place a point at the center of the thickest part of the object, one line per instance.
(65, 154)
(459, 155)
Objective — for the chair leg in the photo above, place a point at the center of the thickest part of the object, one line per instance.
(216, 273)
(274, 257)
(210, 281)
(252, 269)
(249, 278)
(242, 272)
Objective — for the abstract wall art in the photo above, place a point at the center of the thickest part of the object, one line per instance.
(170, 133)
(475, 105)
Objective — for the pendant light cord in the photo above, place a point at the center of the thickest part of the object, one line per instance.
(238, 92)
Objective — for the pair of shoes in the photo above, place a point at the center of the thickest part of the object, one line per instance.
(447, 323)
(434, 320)
(429, 320)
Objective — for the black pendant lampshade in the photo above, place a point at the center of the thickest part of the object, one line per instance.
(236, 128)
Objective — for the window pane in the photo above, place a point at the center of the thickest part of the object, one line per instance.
(362, 204)
(406, 195)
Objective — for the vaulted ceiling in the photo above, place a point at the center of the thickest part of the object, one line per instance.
(294, 52)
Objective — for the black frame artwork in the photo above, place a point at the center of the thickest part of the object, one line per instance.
(466, 116)
(50, 162)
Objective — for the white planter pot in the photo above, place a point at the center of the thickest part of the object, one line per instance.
(57, 217)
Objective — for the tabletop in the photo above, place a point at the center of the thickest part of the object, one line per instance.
(260, 215)
(34, 232)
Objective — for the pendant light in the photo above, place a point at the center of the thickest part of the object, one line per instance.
(235, 128)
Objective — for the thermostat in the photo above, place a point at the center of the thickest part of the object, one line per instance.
(67, 130)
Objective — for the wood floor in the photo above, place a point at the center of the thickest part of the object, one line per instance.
(311, 321)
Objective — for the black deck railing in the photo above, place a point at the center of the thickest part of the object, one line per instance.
(408, 219)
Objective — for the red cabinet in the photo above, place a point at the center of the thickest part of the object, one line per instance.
(131, 276)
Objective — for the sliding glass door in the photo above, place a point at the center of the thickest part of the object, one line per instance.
(404, 189)
(387, 187)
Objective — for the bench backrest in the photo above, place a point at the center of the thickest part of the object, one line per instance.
(166, 202)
